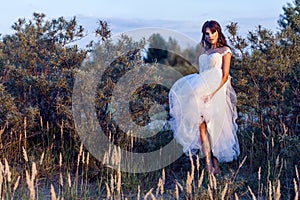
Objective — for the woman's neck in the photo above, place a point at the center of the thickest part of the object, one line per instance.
(213, 46)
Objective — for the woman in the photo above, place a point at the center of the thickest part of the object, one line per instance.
(202, 106)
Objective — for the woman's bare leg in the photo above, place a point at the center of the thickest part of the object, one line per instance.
(216, 165)
(205, 146)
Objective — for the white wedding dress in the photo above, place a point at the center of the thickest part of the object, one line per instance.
(188, 110)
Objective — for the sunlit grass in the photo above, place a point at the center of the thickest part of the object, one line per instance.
(40, 177)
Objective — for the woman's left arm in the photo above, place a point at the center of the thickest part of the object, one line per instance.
(225, 73)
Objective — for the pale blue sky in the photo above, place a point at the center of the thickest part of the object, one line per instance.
(186, 16)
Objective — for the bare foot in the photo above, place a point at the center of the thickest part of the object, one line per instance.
(216, 171)
(211, 169)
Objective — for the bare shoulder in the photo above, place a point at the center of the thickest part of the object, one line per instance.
(226, 50)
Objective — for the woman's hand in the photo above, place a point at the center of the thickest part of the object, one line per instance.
(207, 98)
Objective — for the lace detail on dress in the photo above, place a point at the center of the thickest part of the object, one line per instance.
(212, 60)
(226, 51)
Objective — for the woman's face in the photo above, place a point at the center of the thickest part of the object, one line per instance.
(211, 37)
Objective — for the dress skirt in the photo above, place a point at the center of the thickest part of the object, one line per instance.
(188, 111)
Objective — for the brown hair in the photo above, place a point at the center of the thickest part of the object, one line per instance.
(213, 26)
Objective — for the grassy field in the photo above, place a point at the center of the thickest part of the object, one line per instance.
(37, 172)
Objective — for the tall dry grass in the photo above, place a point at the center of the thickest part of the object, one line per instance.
(41, 173)
(196, 184)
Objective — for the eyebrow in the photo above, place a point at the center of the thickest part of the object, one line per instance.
(212, 31)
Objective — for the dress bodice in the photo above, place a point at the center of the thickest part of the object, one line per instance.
(212, 60)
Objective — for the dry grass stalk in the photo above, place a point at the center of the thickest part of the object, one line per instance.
(270, 190)
(224, 191)
(119, 181)
(116, 156)
(139, 192)
(30, 181)
(2, 131)
(211, 196)
(176, 192)
(198, 164)
(61, 180)
(259, 178)
(131, 142)
(69, 180)
(252, 194)
(88, 159)
(201, 179)
(277, 161)
(42, 158)
(108, 195)
(41, 121)
(15, 186)
(5, 179)
(105, 158)
(214, 182)
(1, 178)
(77, 168)
(47, 126)
(79, 155)
(25, 132)
(239, 168)
(82, 171)
(62, 134)
(297, 173)
(210, 181)
(7, 171)
(60, 159)
(53, 194)
(149, 194)
(112, 183)
(190, 176)
(161, 183)
(189, 181)
(159, 186)
(212, 185)
(277, 192)
(25, 154)
(83, 157)
(192, 163)
(87, 169)
(296, 190)
(236, 196)
(295, 184)
(179, 185)
(163, 177)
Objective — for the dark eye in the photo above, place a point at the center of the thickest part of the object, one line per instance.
(206, 33)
